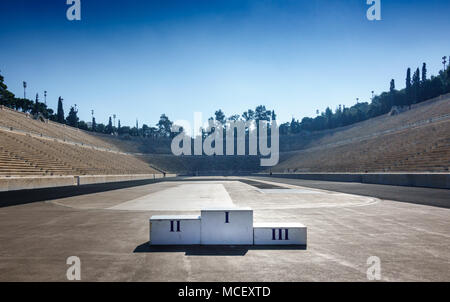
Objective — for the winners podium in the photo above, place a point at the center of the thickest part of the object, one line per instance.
(223, 226)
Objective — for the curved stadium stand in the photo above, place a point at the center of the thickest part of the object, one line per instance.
(34, 153)
(417, 140)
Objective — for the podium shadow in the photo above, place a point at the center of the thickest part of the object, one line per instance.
(211, 250)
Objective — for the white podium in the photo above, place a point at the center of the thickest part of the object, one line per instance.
(227, 226)
(279, 234)
(175, 230)
(223, 226)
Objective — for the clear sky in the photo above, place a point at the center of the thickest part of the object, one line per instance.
(139, 59)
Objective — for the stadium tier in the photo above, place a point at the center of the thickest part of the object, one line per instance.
(22, 154)
(420, 149)
(417, 140)
(426, 112)
(24, 122)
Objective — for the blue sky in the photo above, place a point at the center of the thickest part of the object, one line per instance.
(139, 59)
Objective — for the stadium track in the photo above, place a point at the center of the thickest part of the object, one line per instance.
(107, 227)
(416, 195)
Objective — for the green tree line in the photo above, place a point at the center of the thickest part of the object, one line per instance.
(418, 88)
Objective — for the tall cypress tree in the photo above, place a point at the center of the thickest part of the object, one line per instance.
(408, 79)
(423, 94)
(60, 112)
(416, 85)
(424, 72)
(94, 125)
(109, 129)
(36, 105)
(408, 87)
(392, 93)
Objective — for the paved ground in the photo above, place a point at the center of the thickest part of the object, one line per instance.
(108, 230)
(417, 195)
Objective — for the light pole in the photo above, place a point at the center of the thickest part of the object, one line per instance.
(24, 89)
(114, 118)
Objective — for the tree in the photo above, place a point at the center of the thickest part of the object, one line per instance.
(220, 116)
(408, 86)
(234, 118)
(408, 78)
(100, 128)
(392, 86)
(25, 104)
(416, 86)
(60, 112)
(305, 124)
(3, 86)
(109, 128)
(36, 105)
(262, 114)
(6, 97)
(328, 115)
(446, 81)
(72, 119)
(284, 128)
(424, 72)
(94, 125)
(164, 125)
(395, 99)
(145, 130)
(124, 130)
(423, 91)
(248, 115)
(50, 114)
(134, 131)
(82, 125)
(153, 132)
